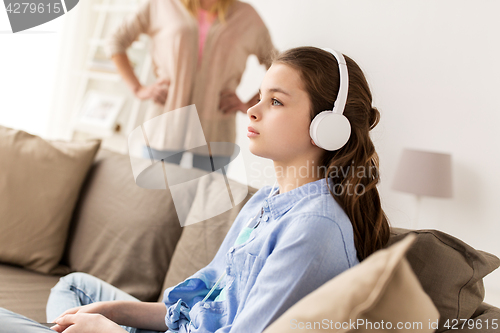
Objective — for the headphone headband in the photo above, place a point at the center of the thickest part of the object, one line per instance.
(339, 104)
(330, 129)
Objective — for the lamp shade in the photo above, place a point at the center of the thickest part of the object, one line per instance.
(424, 173)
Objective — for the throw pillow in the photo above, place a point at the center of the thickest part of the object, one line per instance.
(381, 294)
(39, 184)
(450, 271)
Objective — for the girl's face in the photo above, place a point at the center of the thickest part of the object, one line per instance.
(279, 123)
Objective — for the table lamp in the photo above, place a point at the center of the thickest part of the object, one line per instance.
(424, 173)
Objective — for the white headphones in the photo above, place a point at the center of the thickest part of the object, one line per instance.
(330, 129)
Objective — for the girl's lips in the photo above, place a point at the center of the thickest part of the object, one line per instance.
(252, 132)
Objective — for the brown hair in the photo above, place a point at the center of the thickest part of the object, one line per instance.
(220, 7)
(355, 165)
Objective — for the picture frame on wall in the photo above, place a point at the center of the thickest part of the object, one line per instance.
(99, 112)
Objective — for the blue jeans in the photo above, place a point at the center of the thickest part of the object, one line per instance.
(199, 161)
(72, 290)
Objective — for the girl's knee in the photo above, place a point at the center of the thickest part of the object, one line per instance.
(73, 279)
(77, 276)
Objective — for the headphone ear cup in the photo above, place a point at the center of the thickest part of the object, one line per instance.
(329, 130)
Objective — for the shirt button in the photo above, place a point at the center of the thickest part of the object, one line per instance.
(266, 218)
(266, 204)
(231, 250)
(206, 306)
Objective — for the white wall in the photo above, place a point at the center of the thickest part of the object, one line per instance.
(39, 72)
(435, 76)
(28, 63)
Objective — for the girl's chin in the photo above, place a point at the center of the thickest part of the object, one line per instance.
(257, 151)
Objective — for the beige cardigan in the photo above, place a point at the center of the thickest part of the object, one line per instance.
(174, 33)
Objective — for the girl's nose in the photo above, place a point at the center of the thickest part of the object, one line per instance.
(253, 112)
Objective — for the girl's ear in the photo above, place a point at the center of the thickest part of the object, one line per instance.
(313, 143)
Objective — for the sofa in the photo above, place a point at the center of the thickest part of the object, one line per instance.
(131, 237)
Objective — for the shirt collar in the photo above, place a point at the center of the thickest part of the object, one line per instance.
(279, 204)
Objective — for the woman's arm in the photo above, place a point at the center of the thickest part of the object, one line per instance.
(231, 103)
(121, 39)
(264, 49)
(158, 91)
(122, 63)
(252, 101)
(129, 30)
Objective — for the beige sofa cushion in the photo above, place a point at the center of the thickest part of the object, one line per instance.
(122, 233)
(450, 271)
(200, 241)
(25, 292)
(382, 290)
(39, 184)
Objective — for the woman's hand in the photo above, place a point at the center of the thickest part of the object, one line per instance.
(85, 323)
(158, 91)
(231, 103)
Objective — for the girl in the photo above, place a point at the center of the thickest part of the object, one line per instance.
(323, 218)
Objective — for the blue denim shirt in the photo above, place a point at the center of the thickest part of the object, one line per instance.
(304, 239)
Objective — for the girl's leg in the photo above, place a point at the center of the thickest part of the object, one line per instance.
(11, 322)
(77, 289)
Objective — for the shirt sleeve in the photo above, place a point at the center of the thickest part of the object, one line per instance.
(264, 48)
(129, 30)
(310, 252)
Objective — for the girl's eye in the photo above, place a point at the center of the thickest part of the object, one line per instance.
(275, 100)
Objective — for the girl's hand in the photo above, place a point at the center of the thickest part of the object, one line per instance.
(102, 308)
(86, 323)
(231, 103)
(158, 91)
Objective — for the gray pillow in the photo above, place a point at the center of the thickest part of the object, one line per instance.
(450, 271)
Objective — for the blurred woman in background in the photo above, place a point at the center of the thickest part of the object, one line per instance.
(199, 52)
